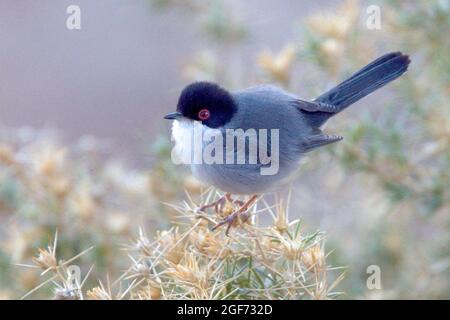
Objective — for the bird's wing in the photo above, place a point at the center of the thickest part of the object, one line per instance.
(318, 140)
(314, 106)
(280, 95)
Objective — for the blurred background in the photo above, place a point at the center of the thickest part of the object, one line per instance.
(84, 148)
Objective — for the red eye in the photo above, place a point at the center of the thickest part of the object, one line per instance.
(203, 114)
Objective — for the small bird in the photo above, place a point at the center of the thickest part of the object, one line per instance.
(299, 123)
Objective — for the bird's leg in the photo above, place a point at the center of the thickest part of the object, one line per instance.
(237, 201)
(216, 204)
(230, 220)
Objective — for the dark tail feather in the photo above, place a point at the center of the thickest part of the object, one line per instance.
(370, 78)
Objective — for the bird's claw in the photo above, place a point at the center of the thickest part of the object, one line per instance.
(218, 205)
(231, 220)
(241, 213)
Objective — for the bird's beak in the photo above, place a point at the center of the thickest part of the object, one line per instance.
(173, 115)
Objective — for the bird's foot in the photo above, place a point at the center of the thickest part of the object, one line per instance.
(240, 215)
(220, 203)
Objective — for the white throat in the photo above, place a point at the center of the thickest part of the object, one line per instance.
(182, 135)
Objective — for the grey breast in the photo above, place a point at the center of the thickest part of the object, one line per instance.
(261, 107)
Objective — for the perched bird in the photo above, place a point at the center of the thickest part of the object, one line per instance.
(299, 123)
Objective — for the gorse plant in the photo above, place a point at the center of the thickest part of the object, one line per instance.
(189, 261)
(255, 262)
(91, 202)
